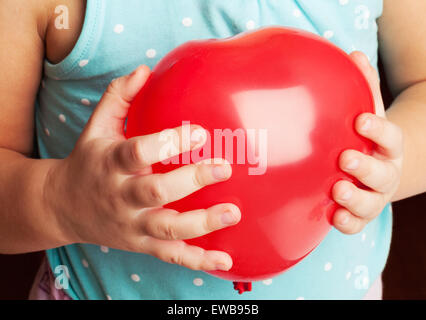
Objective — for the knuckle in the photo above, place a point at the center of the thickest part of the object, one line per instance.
(109, 198)
(131, 245)
(115, 202)
(167, 231)
(176, 257)
(110, 162)
(197, 178)
(208, 222)
(136, 152)
(113, 86)
(123, 227)
(156, 193)
(143, 245)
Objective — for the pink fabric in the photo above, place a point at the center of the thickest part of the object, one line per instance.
(44, 285)
(376, 291)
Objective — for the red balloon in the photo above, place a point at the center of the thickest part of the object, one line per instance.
(279, 105)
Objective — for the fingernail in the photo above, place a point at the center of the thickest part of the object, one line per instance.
(346, 196)
(353, 164)
(366, 126)
(134, 72)
(219, 173)
(344, 219)
(222, 267)
(228, 218)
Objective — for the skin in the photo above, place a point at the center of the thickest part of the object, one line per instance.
(119, 199)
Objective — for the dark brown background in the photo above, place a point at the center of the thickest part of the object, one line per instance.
(404, 276)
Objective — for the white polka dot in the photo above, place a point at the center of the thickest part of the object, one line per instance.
(47, 132)
(348, 275)
(83, 63)
(85, 263)
(363, 237)
(135, 278)
(250, 25)
(328, 266)
(119, 28)
(328, 34)
(108, 297)
(343, 2)
(62, 118)
(104, 249)
(86, 102)
(300, 298)
(187, 22)
(151, 53)
(198, 282)
(373, 244)
(297, 13)
(267, 282)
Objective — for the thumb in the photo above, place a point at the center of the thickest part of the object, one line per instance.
(110, 114)
(372, 77)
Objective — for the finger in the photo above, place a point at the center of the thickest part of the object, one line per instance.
(361, 203)
(384, 133)
(379, 175)
(372, 77)
(192, 257)
(109, 116)
(347, 223)
(170, 225)
(136, 153)
(159, 189)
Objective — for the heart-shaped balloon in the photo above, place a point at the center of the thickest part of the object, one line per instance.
(279, 104)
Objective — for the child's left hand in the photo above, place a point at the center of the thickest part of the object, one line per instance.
(381, 172)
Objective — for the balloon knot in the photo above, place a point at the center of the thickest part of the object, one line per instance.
(242, 287)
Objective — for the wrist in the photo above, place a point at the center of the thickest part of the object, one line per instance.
(54, 202)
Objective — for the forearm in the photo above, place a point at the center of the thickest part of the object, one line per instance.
(25, 223)
(409, 112)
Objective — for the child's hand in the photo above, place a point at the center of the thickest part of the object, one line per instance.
(381, 172)
(105, 193)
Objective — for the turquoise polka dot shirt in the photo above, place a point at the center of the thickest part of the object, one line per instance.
(117, 37)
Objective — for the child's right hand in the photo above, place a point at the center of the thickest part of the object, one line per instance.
(105, 193)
